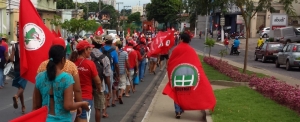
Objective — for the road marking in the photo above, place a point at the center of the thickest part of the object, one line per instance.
(11, 105)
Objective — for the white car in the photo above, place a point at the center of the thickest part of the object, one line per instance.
(264, 32)
(298, 29)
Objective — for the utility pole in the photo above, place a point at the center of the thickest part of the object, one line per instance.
(119, 32)
(99, 6)
(196, 20)
(9, 12)
(124, 16)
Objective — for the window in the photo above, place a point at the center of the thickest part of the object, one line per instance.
(289, 48)
(284, 48)
(264, 47)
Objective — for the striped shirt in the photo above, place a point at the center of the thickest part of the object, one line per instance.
(123, 57)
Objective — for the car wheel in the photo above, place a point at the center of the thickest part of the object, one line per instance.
(288, 67)
(265, 36)
(255, 57)
(263, 59)
(277, 63)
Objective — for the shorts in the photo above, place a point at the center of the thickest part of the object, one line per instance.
(123, 81)
(18, 81)
(153, 59)
(163, 57)
(84, 115)
(131, 73)
(99, 100)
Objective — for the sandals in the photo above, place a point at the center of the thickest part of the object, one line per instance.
(15, 102)
(105, 115)
(120, 100)
(23, 109)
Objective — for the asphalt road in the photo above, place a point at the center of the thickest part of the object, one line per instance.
(198, 44)
(133, 109)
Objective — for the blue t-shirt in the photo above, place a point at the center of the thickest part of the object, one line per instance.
(114, 56)
(61, 82)
(2, 51)
(236, 43)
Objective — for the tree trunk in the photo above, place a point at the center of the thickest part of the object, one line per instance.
(246, 48)
(209, 51)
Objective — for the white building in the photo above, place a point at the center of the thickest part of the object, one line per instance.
(110, 2)
(137, 9)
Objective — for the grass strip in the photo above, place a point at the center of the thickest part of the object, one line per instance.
(213, 74)
(242, 104)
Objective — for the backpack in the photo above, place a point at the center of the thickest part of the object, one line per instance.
(108, 54)
(142, 50)
(99, 66)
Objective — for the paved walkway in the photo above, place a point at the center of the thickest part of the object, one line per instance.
(161, 108)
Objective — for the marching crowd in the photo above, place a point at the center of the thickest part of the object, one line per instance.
(95, 72)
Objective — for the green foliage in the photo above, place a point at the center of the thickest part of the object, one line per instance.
(223, 53)
(134, 17)
(75, 26)
(56, 21)
(113, 16)
(132, 27)
(65, 4)
(125, 12)
(210, 43)
(163, 11)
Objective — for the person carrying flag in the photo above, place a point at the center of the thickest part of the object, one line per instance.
(188, 85)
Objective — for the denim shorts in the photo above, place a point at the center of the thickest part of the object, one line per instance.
(84, 112)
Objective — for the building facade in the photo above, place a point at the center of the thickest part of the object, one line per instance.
(45, 8)
(137, 9)
(68, 14)
(3, 16)
(110, 2)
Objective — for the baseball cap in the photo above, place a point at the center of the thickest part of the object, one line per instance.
(108, 38)
(133, 43)
(59, 41)
(83, 45)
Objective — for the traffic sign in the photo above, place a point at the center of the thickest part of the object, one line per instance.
(222, 21)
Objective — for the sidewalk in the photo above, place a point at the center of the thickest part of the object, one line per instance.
(161, 108)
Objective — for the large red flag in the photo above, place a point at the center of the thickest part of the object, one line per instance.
(58, 34)
(54, 33)
(39, 115)
(99, 31)
(35, 40)
(188, 85)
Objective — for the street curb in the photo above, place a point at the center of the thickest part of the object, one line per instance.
(228, 83)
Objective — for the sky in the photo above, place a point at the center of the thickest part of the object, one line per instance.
(125, 2)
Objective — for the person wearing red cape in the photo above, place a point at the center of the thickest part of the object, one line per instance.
(188, 85)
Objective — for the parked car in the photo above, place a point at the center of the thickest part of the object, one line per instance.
(298, 29)
(264, 32)
(268, 51)
(287, 34)
(289, 56)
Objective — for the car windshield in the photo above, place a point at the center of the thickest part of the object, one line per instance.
(274, 47)
(114, 32)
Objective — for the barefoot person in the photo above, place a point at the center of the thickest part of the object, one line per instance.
(18, 82)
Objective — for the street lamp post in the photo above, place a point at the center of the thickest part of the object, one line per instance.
(222, 23)
(124, 18)
(119, 17)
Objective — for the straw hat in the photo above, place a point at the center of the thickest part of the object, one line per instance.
(98, 39)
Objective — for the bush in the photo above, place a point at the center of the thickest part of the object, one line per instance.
(269, 87)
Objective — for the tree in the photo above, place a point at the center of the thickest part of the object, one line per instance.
(75, 26)
(163, 11)
(125, 12)
(113, 16)
(65, 4)
(134, 17)
(56, 21)
(209, 43)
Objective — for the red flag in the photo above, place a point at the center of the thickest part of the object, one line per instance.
(58, 34)
(188, 85)
(128, 31)
(35, 40)
(54, 33)
(39, 115)
(99, 31)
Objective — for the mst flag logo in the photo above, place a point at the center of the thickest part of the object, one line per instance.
(34, 36)
(185, 75)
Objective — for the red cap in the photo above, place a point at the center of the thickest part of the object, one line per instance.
(83, 45)
(133, 43)
(59, 41)
(143, 40)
